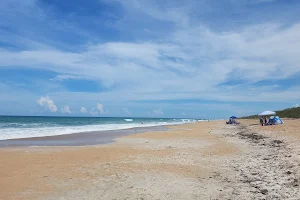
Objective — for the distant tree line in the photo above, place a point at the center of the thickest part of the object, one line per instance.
(286, 113)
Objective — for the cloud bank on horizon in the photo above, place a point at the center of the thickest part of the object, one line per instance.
(144, 58)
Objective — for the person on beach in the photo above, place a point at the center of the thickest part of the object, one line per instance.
(266, 121)
(261, 120)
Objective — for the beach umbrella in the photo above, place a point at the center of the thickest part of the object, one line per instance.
(233, 117)
(267, 112)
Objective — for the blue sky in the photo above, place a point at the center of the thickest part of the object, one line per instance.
(191, 58)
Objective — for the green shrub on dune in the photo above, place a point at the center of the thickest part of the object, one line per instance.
(286, 113)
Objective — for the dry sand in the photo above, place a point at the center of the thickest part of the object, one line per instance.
(206, 160)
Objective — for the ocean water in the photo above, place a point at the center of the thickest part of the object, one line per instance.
(12, 127)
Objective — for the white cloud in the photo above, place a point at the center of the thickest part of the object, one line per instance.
(126, 111)
(83, 110)
(260, 1)
(175, 12)
(62, 77)
(93, 112)
(251, 54)
(100, 108)
(157, 112)
(66, 109)
(296, 105)
(46, 102)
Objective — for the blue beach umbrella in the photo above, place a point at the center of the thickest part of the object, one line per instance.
(233, 117)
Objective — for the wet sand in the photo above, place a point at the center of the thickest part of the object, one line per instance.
(206, 160)
(79, 139)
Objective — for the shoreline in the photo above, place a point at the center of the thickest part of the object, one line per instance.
(205, 160)
(26, 127)
(81, 138)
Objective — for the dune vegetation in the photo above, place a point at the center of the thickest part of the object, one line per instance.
(286, 113)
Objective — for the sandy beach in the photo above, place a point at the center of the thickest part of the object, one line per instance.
(205, 160)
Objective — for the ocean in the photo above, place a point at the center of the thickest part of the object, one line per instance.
(13, 127)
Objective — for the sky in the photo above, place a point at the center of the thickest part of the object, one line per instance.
(137, 58)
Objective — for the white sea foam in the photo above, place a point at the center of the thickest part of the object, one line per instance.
(128, 120)
(188, 120)
(14, 133)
